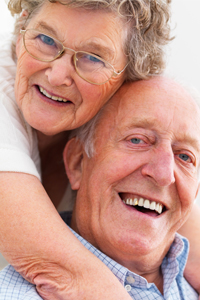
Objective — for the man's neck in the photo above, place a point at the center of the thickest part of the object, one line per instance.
(156, 277)
(147, 266)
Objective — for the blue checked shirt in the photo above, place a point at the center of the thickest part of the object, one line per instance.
(14, 287)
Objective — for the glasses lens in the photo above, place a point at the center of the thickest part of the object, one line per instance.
(93, 68)
(42, 46)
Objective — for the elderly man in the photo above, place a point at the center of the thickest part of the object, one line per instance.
(135, 170)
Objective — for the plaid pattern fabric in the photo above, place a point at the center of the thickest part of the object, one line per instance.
(14, 287)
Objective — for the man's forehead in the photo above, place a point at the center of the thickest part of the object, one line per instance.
(182, 133)
(152, 105)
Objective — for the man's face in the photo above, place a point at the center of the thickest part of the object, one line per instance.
(147, 150)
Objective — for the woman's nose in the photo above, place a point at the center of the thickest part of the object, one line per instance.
(160, 167)
(61, 71)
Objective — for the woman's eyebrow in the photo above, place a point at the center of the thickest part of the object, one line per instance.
(101, 49)
(42, 25)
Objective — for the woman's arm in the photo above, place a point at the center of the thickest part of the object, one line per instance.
(191, 230)
(35, 240)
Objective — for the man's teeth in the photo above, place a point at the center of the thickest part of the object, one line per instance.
(51, 97)
(144, 203)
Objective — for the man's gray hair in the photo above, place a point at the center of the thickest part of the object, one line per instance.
(146, 28)
(86, 134)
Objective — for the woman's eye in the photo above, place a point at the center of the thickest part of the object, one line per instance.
(94, 59)
(184, 157)
(136, 141)
(46, 39)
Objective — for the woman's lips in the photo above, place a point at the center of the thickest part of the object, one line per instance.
(55, 98)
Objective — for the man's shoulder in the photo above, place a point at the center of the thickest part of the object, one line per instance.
(14, 287)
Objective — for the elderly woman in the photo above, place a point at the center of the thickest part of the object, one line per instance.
(70, 57)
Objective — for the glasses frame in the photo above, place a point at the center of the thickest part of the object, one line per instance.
(75, 59)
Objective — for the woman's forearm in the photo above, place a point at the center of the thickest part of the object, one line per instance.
(191, 230)
(35, 240)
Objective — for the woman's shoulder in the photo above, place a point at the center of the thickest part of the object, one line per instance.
(7, 70)
(7, 63)
(18, 141)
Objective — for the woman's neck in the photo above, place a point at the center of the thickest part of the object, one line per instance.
(54, 177)
(47, 141)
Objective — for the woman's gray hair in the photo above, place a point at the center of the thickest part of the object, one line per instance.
(146, 28)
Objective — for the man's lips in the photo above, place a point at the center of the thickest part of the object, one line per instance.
(52, 97)
(143, 204)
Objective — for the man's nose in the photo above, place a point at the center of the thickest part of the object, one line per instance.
(61, 71)
(160, 167)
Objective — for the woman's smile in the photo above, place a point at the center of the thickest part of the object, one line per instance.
(52, 97)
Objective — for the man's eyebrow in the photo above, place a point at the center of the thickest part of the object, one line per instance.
(149, 124)
(136, 123)
(143, 123)
(195, 143)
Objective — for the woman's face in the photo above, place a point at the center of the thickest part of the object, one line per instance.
(96, 32)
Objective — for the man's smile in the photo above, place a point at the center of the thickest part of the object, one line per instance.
(142, 204)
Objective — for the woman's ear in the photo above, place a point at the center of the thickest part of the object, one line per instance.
(18, 45)
(73, 155)
(19, 38)
(197, 190)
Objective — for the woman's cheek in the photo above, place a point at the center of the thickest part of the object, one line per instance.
(27, 68)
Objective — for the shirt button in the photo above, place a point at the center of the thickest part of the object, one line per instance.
(130, 279)
(128, 288)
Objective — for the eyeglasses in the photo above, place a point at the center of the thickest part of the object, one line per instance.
(89, 67)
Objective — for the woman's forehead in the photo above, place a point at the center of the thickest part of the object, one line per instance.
(97, 30)
(59, 10)
(62, 16)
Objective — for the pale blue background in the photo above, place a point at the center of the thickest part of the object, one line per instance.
(183, 52)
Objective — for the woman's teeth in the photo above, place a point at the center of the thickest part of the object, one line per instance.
(55, 98)
(144, 203)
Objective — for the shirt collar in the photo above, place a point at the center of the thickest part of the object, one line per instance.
(177, 253)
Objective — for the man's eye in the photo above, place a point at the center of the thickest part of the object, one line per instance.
(46, 39)
(184, 157)
(136, 141)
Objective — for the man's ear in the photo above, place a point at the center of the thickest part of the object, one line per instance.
(73, 155)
